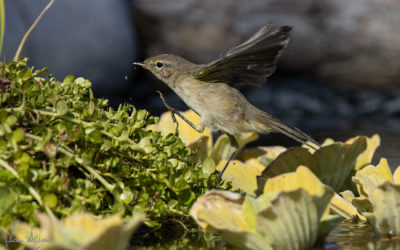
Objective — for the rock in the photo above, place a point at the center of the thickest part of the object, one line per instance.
(350, 42)
(91, 38)
(392, 106)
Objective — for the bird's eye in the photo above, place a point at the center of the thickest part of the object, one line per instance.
(159, 65)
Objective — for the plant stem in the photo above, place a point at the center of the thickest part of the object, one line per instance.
(22, 43)
(103, 181)
(31, 190)
(2, 24)
(74, 120)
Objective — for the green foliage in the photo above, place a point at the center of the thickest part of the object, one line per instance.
(379, 193)
(81, 231)
(63, 151)
(334, 164)
(276, 220)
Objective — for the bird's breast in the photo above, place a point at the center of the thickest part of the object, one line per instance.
(222, 106)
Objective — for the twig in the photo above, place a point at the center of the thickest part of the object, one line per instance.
(22, 43)
(185, 229)
(2, 24)
(132, 203)
(153, 201)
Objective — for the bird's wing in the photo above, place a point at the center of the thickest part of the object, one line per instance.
(251, 62)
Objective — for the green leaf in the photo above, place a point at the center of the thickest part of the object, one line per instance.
(83, 82)
(3, 146)
(172, 203)
(92, 107)
(18, 135)
(152, 223)
(40, 71)
(95, 136)
(11, 120)
(368, 178)
(278, 220)
(69, 79)
(208, 167)
(332, 164)
(50, 150)
(385, 200)
(116, 131)
(61, 107)
(250, 209)
(292, 220)
(187, 196)
(126, 196)
(25, 74)
(8, 198)
(50, 200)
(181, 184)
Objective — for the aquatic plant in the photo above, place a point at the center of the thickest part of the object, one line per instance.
(63, 151)
(82, 231)
(293, 214)
(379, 195)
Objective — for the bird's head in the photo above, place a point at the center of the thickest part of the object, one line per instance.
(167, 67)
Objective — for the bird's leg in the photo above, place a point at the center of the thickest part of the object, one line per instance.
(235, 146)
(176, 112)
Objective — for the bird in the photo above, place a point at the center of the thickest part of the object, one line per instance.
(212, 90)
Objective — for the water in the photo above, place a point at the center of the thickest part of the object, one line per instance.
(358, 236)
(347, 235)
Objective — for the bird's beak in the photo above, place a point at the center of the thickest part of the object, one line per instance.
(142, 64)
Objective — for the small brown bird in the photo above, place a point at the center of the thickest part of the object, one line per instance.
(211, 89)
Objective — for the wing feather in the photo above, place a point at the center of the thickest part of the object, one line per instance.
(251, 62)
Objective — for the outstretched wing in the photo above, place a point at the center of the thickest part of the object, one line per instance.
(250, 62)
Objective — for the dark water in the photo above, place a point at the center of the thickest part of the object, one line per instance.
(358, 236)
(347, 235)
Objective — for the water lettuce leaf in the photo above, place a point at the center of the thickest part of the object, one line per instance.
(385, 200)
(276, 220)
(333, 164)
(81, 231)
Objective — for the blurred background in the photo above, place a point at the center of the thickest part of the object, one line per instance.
(338, 78)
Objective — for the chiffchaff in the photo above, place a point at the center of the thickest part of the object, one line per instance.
(211, 89)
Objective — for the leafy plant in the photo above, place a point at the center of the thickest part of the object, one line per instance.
(379, 195)
(240, 220)
(277, 220)
(81, 231)
(63, 151)
(335, 163)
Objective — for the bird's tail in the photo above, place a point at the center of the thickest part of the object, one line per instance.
(265, 123)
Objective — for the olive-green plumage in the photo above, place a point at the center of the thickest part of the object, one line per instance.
(211, 89)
